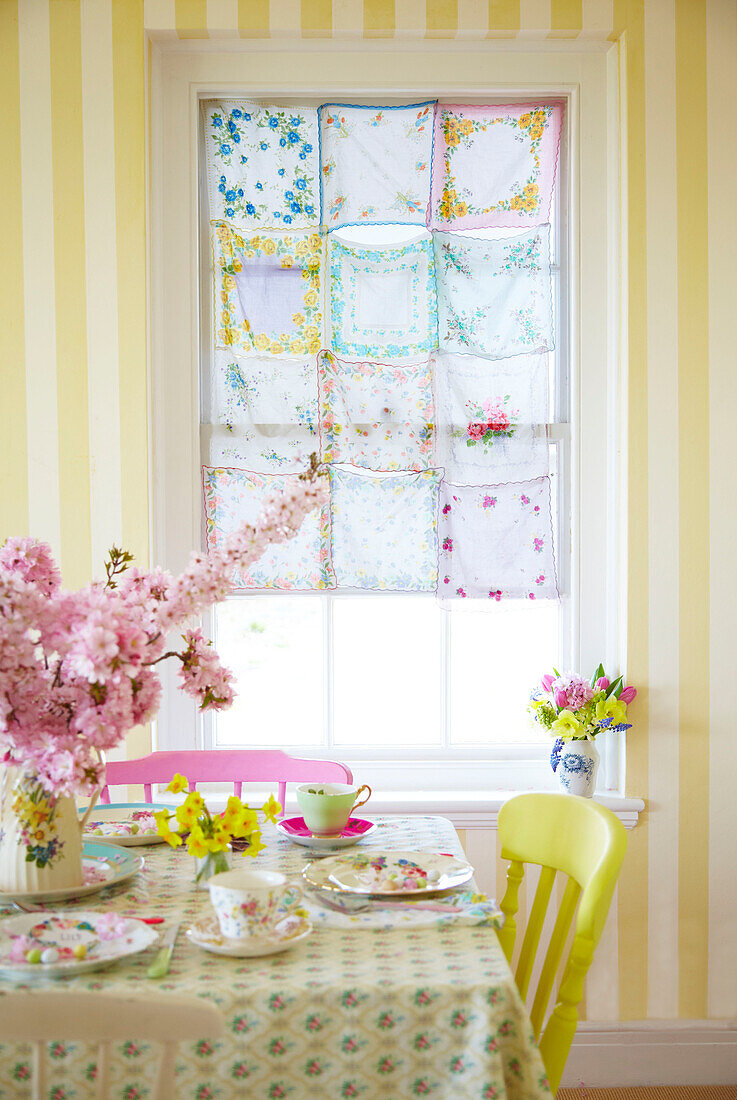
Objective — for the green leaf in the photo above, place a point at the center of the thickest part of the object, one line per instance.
(597, 674)
(555, 670)
(613, 687)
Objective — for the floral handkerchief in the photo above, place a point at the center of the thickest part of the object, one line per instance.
(262, 164)
(377, 415)
(384, 529)
(494, 297)
(383, 301)
(496, 541)
(233, 497)
(491, 418)
(494, 165)
(375, 164)
(268, 292)
(264, 412)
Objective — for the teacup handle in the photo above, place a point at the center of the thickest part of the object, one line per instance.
(363, 802)
(289, 906)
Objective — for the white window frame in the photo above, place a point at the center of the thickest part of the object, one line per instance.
(588, 81)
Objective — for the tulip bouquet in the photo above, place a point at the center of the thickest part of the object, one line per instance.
(209, 836)
(572, 708)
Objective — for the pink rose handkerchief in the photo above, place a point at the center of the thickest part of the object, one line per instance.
(494, 166)
(384, 529)
(491, 418)
(268, 290)
(264, 413)
(494, 297)
(233, 497)
(496, 541)
(262, 164)
(383, 301)
(376, 164)
(378, 415)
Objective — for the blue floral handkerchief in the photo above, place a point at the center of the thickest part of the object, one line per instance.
(264, 413)
(383, 301)
(262, 165)
(378, 415)
(494, 297)
(375, 164)
(268, 290)
(233, 497)
(492, 417)
(496, 541)
(384, 529)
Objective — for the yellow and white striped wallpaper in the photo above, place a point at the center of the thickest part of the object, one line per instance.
(74, 448)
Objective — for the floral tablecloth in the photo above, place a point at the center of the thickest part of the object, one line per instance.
(431, 1012)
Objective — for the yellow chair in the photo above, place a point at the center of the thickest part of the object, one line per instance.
(583, 840)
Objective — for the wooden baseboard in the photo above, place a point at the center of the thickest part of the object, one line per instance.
(654, 1052)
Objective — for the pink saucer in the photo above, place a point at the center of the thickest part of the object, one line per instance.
(356, 829)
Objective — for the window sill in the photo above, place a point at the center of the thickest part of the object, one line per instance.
(466, 809)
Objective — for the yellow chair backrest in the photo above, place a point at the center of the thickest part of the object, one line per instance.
(585, 841)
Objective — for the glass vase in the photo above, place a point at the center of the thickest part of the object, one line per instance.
(206, 867)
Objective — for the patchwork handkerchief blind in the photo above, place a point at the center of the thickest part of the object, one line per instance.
(411, 356)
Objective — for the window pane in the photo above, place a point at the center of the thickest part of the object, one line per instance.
(387, 671)
(496, 657)
(274, 645)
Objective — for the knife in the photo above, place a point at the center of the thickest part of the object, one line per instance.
(160, 966)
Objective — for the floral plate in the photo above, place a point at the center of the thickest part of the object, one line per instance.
(356, 829)
(126, 823)
(62, 933)
(206, 933)
(388, 873)
(102, 865)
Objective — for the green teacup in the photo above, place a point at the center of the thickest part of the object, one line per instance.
(326, 807)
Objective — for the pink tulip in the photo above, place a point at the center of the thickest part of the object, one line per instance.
(561, 699)
(628, 695)
(602, 683)
(547, 681)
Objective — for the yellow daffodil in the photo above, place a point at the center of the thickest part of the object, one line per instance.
(219, 839)
(271, 809)
(163, 829)
(255, 846)
(178, 784)
(197, 845)
(611, 708)
(566, 725)
(191, 810)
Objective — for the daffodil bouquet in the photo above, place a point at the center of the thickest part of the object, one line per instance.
(575, 709)
(209, 836)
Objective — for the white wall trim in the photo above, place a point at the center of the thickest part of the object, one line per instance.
(653, 1052)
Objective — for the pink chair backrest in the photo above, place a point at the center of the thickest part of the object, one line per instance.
(236, 766)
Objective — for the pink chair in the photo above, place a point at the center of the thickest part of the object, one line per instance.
(236, 766)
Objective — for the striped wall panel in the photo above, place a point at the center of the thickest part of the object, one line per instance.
(73, 347)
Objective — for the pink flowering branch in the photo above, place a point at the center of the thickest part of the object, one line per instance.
(78, 669)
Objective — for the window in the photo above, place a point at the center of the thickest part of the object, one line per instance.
(412, 691)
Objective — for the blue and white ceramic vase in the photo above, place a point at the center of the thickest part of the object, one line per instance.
(577, 767)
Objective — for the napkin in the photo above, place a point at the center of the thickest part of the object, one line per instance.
(463, 908)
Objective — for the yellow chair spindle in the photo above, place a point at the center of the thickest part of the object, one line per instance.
(554, 954)
(509, 906)
(534, 929)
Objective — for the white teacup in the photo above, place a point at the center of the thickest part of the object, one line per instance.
(326, 807)
(251, 903)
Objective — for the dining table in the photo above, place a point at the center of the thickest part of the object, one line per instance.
(350, 1012)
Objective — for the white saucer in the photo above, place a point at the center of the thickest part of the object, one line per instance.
(205, 933)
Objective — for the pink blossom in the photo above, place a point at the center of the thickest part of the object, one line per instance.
(561, 699)
(476, 430)
(18, 948)
(547, 681)
(628, 695)
(110, 925)
(572, 691)
(79, 669)
(498, 421)
(601, 684)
